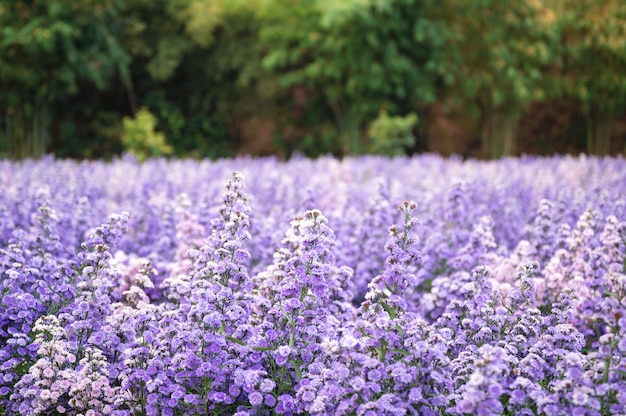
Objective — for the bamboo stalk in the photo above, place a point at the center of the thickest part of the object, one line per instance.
(606, 136)
(590, 141)
(486, 128)
(598, 135)
(9, 136)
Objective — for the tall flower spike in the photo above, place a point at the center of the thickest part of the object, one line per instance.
(611, 252)
(96, 279)
(457, 211)
(225, 256)
(543, 230)
(482, 391)
(42, 387)
(220, 267)
(306, 259)
(7, 225)
(301, 304)
(480, 243)
(399, 275)
(45, 220)
(213, 312)
(97, 249)
(365, 255)
(31, 285)
(523, 295)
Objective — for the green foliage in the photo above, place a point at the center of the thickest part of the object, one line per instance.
(50, 47)
(506, 55)
(351, 57)
(50, 50)
(391, 135)
(593, 45)
(187, 82)
(320, 70)
(23, 131)
(140, 138)
(502, 57)
(195, 132)
(593, 39)
(102, 127)
(155, 38)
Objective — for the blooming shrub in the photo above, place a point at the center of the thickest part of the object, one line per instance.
(313, 287)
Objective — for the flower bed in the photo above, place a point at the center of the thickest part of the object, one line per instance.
(313, 287)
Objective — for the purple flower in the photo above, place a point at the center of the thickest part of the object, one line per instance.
(256, 398)
(285, 404)
(270, 400)
(267, 386)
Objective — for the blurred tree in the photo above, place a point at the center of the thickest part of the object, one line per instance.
(593, 50)
(347, 59)
(140, 137)
(391, 135)
(70, 70)
(503, 57)
(50, 49)
(183, 78)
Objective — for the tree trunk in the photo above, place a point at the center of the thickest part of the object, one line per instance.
(41, 133)
(486, 133)
(509, 134)
(8, 136)
(598, 135)
(499, 133)
(26, 132)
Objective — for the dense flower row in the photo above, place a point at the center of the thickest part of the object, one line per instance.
(153, 289)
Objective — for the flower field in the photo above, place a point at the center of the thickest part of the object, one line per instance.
(367, 286)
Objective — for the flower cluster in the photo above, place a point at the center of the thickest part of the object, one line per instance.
(299, 289)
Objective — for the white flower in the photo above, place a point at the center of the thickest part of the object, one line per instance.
(476, 379)
(44, 394)
(331, 346)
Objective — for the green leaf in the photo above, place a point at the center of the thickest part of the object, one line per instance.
(297, 369)
(264, 348)
(235, 340)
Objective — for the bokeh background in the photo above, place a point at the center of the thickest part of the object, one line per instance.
(218, 78)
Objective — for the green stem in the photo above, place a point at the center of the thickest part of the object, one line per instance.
(607, 360)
